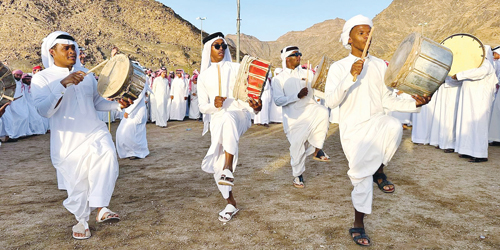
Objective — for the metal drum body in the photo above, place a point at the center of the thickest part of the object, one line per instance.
(251, 78)
(121, 78)
(319, 80)
(7, 84)
(419, 66)
(468, 52)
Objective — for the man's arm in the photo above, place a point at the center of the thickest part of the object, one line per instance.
(279, 97)
(203, 99)
(337, 85)
(47, 95)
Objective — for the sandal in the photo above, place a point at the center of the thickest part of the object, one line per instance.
(449, 150)
(226, 178)
(465, 156)
(298, 182)
(80, 229)
(385, 182)
(321, 156)
(362, 235)
(110, 215)
(228, 213)
(475, 159)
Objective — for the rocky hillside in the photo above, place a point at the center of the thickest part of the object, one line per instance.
(444, 18)
(147, 30)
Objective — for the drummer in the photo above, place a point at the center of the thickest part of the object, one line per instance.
(230, 118)
(369, 137)
(305, 122)
(81, 145)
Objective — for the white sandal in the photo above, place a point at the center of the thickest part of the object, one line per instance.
(226, 178)
(110, 216)
(80, 229)
(228, 213)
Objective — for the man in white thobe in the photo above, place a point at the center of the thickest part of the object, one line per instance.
(36, 121)
(494, 130)
(275, 111)
(305, 122)
(160, 100)
(16, 117)
(81, 147)
(229, 118)
(262, 118)
(179, 91)
(369, 137)
(474, 109)
(194, 110)
(422, 123)
(131, 138)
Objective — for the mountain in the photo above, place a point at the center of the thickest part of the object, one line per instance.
(148, 31)
(399, 19)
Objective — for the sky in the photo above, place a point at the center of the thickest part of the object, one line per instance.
(268, 20)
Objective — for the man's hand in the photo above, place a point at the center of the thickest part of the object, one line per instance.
(193, 94)
(125, 115)
(357, 67)
(73, 78)
(125, 102)
(219, 100)
(303, 92)
(171, 97)
(2, 109)
(454, 77)
(185, 98)
(421, 100)
(256, 105)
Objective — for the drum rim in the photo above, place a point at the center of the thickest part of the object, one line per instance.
(245, 64)
(414, 52)
(321, 69)
(473, 37)
(127, 78)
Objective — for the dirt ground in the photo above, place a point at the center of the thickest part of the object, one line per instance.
(167, 202)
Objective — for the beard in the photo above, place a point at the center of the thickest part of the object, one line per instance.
(17, 79)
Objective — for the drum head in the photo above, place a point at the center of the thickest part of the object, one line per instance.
(319, 79)
(401, 58)
(7, 83)
(468, 52)
(114, 74)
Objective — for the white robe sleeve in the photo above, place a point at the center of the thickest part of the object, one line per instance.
(280, 99)
(392, 103)
(477, 73)
(186, 85)
(102, 104)
(336, 86)
(206, 107)
(46, 95)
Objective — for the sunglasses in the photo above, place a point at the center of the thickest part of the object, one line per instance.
(217, 46)
(295, 54)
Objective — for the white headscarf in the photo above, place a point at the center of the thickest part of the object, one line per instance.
(277, 71)
(52, 40)
(497, 49)
(207, 49)
(489, 54)
(285, 54)
(351, 23)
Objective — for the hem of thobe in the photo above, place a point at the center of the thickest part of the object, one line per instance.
(472, 153)
(99, 201)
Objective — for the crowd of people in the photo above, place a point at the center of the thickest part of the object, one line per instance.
(462, 116)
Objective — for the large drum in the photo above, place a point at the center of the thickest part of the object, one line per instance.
(7, 85)
(419, 66)
(468, 52)
(319, 80)
(121, 78)
(251, 78)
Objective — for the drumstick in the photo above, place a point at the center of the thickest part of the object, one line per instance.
(10, 98)
(220, 88)
(91, 70)
(365, 50)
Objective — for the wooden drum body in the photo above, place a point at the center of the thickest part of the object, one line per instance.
(468, 52)
(7, 84)
(419, 66)
(121, 78)
(251, 78)
(319, 80)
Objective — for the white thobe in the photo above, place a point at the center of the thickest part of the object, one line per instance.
(160, 101)
(16, 116)
(179, 90)
(263, 116)
(227, 124)
(81, 147)
(37, 123)
(403, 117)
(445, 114)
(194, 110)
(305, 122)
(422, 123)
(494, 129)
(275, 112)
(474, 110)
(131, 133)
(369, 137)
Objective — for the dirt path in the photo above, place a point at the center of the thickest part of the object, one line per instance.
(167, 202)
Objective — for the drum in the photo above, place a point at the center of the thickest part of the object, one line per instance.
(468, 52)
(7, 85)
(319, 80)
(121, 78)
(251, 78)
(419, 66)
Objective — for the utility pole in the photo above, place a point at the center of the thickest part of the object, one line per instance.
(238, 33)
(201, 30)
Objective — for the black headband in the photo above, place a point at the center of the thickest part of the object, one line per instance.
(67, 37)
(212, 36)
(290, 49)
(495, 48)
